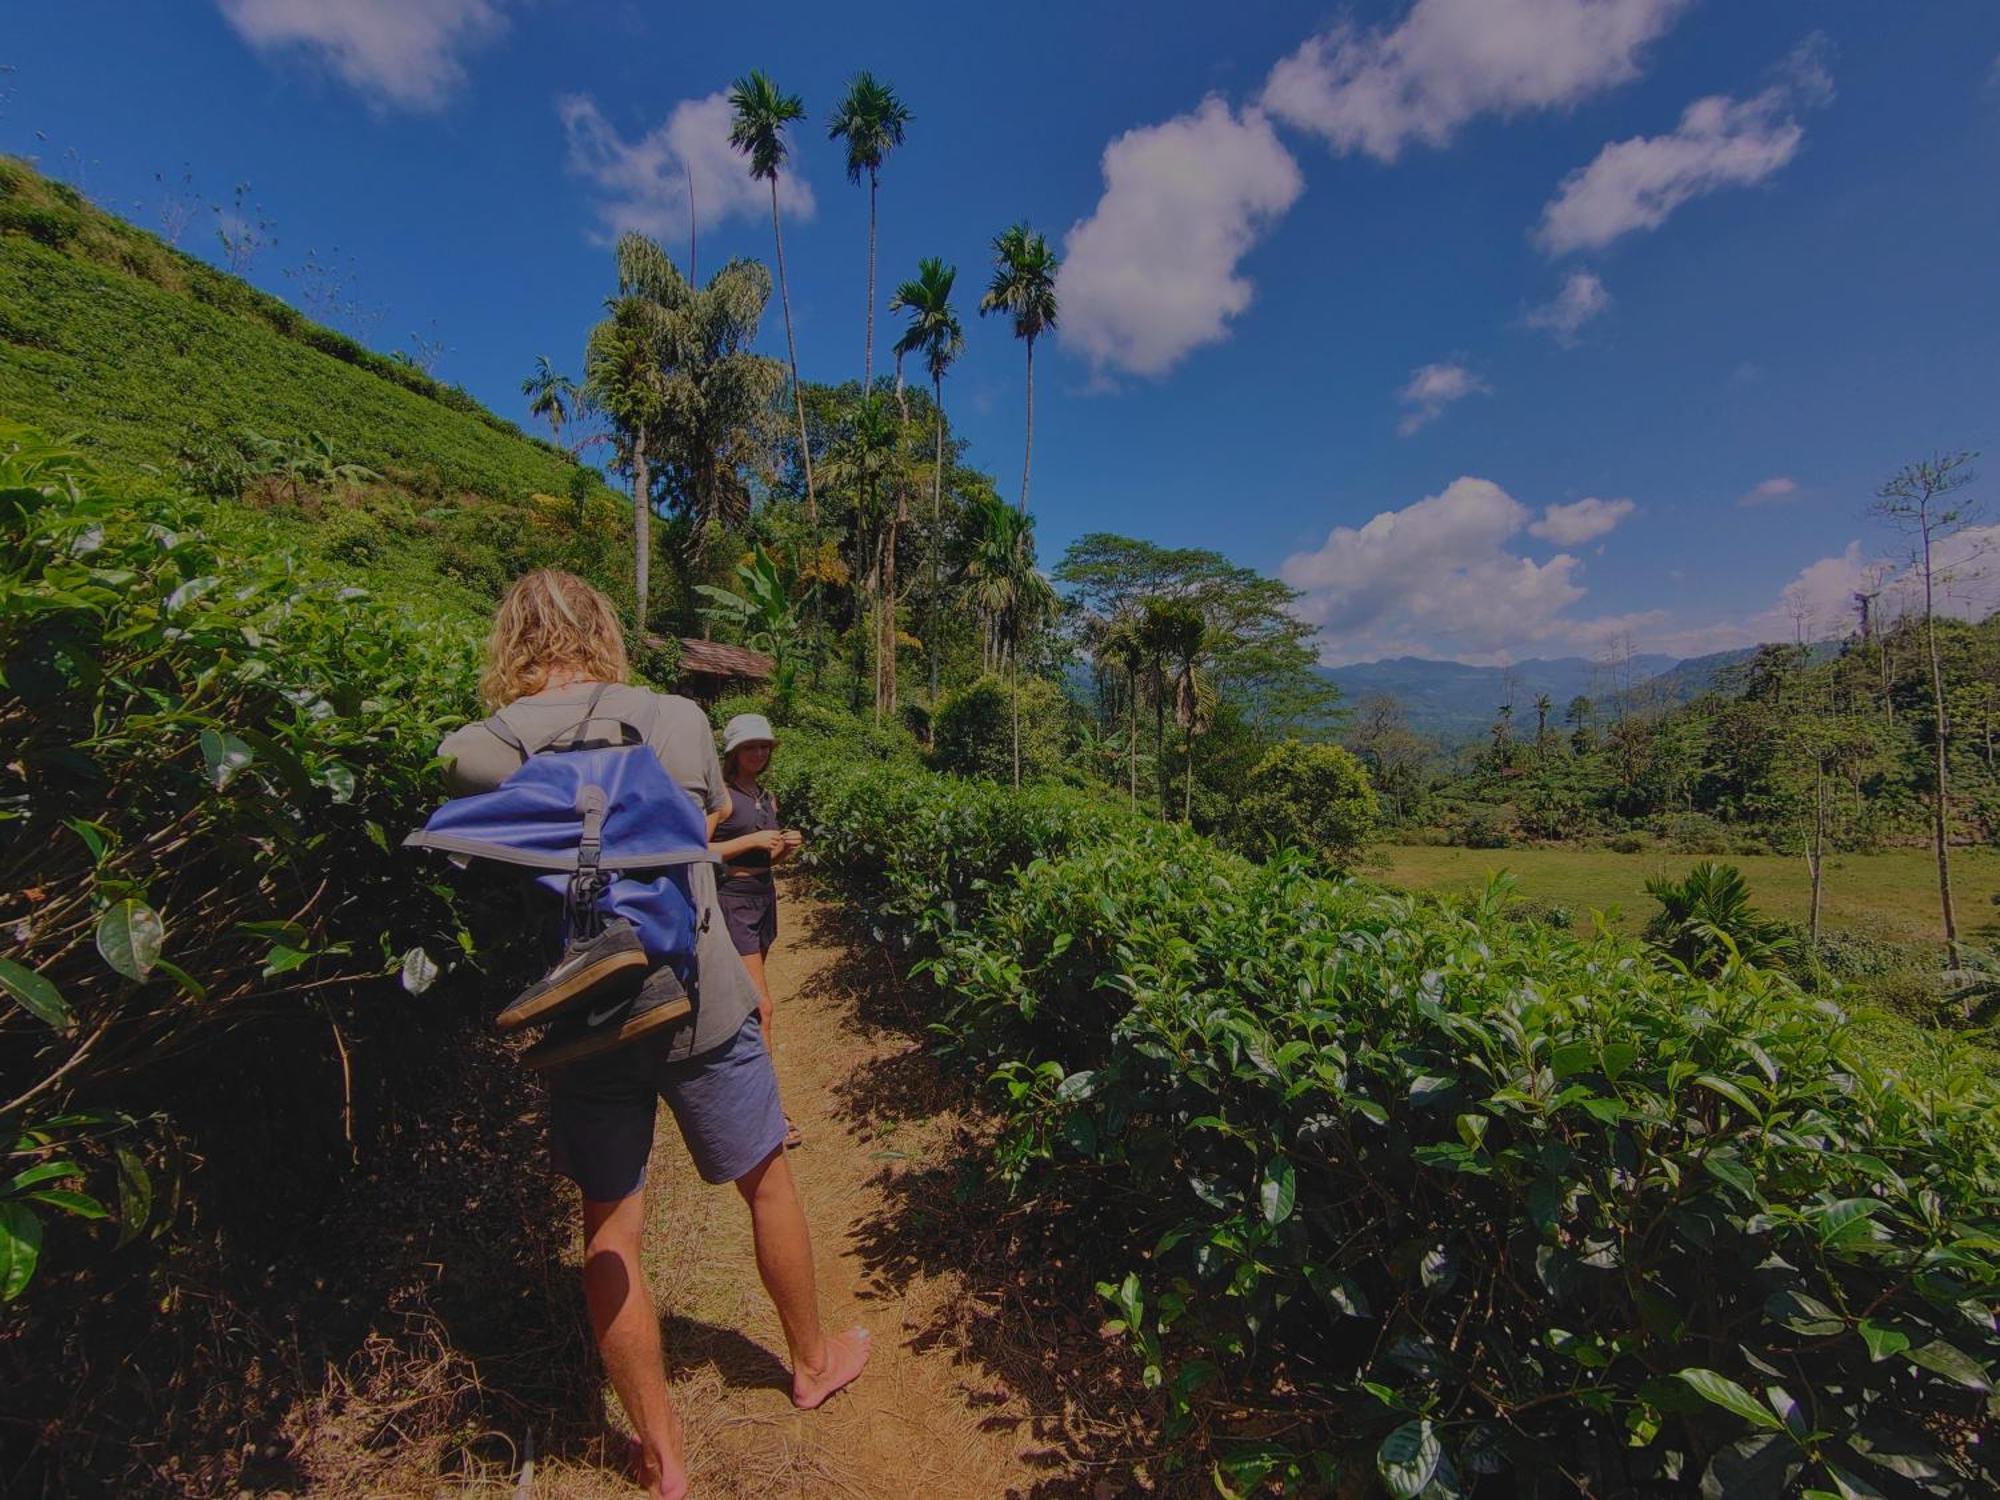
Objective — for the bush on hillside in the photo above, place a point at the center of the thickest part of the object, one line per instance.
(1476, 1204)
(209, 764)
(1311, 797)
(973, 730)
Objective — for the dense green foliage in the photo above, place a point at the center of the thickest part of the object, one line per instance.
(972, 729)
(159, 358)
(210, 758)
(1312, 797)
(1459, 1196)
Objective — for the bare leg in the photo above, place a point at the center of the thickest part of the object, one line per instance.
(753, 964)
(821, 1363)
(628, 1336)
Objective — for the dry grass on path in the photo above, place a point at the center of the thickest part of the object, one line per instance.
(989, 1378)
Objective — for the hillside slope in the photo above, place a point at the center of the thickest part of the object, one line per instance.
(107, 331)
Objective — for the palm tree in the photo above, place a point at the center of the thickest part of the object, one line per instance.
(1176, 633)
(935, 330)
(761, 114)
(1010, 594)
(1122, 645)
(871, 120)
(625, 378)
(552, 396)
(865, 463)
(1024, 287)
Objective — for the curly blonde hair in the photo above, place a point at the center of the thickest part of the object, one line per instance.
(550, 620)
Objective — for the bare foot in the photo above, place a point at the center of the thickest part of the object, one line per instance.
(658, 1468)
(846, 1355)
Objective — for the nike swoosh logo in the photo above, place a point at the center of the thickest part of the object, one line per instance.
(599, 1017)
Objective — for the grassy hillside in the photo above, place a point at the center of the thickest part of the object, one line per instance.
(107, 331)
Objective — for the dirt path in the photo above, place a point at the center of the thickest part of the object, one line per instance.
(927, 1419)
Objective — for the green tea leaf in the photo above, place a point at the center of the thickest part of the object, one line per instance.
(1882, 1341)
(1408, 1459)
(1278, 1190)
(420, 971)
(129, 937)
(1730, 1396)
(20, 1248)
(1952, 1363)
(35, 994)
(135, 1195)
(226, 755)
(1730, 1091)
(82, 1205)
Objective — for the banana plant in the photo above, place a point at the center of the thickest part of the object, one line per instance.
(765, 610)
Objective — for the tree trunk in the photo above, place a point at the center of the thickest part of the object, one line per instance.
(868, 355)
(1816, 850)
(642, 524)
(1132, 754)
(1160, 741)
(888, 645)
(1028, 453)
(1187, 783)
(937, 523)
(792, 353)
(1014, 696)
(1941, 820)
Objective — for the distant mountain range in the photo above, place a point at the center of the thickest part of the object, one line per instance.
(1454, 702)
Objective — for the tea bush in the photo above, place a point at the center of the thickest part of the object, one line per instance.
(209, 760)
(1390, 1194)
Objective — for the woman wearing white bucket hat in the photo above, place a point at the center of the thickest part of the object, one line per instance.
(749, 840)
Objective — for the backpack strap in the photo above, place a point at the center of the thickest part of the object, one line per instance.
(502, 731)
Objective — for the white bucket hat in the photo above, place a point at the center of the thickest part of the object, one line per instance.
(746, 729)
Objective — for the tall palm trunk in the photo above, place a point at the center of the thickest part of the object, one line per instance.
(1160, 738)
(642, 524)
(1132, 753)
(887, 647)
(868, 352)
(937, 519)
(1940, 813)
(1028, 453)
(1014, 698)
(792, 352)
(1187, 784)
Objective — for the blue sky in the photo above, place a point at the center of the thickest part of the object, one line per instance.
(1504, 328)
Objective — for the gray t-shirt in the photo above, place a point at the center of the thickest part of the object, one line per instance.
(679, 733)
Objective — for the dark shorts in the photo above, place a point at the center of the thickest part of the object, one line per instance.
(752, 918)
(725, 1101)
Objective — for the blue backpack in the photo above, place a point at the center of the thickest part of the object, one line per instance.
(609, 832)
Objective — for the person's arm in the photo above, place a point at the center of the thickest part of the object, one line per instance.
(770, 840)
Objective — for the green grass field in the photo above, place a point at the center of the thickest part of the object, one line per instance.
(1890, 896)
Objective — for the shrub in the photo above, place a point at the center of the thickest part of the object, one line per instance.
(1625, 843)
(973, 730)
(353, 537)
(1472, 1203)
(1706, 922)
(207, 763)
(1694, 833)
(1311, 797)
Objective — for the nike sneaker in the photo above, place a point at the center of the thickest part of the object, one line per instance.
(660, 1003)
(595, 968)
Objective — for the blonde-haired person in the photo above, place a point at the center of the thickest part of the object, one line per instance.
(556, 641)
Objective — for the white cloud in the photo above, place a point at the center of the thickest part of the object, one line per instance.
(1720, 142)
(1437, 577)
(1448, 61)
(404, 53)
(1770, 491)
(1152, 273)
(643, 183)
(1580, 521)
(1582, 298)
(1431, 389)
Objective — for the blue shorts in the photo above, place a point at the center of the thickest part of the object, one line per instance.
(601, 1113)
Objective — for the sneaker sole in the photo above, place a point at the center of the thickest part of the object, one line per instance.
(576, 987)
(667, 1013)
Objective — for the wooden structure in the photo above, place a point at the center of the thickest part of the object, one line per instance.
(709, 669)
